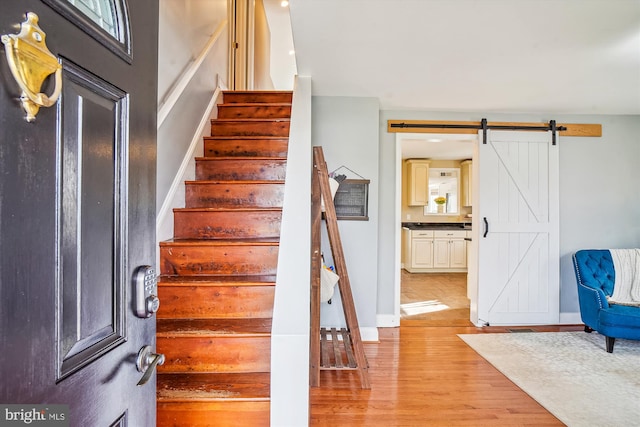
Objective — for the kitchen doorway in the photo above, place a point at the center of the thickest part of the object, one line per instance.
(436, 270)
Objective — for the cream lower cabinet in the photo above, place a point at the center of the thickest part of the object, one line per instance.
(441, 253)
(434, 251)
(458, 254)
(421, 249)
(450, 250)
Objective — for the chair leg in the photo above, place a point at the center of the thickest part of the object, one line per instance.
(610, 342)
(587, 329)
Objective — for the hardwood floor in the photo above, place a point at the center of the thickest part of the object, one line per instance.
(426, 376)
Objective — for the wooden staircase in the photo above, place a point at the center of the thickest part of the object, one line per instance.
(218, 272)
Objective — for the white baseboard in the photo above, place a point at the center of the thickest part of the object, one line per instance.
(570, 319)
(369, 334)
(387, 321)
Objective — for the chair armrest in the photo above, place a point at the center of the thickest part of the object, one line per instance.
(593, 270)
(593, 298)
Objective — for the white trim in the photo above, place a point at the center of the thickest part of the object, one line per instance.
(570, 318)
(188, 157)
(291, 316)
(176, 91)
(397, 241)
(251, 45)
(387, 321)
(369, 334)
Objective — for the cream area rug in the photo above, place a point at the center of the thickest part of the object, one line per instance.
(570, 373)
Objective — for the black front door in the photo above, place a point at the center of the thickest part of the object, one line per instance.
(77, 213)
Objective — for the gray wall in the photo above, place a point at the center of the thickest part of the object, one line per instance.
(347, 130)
(185, 28)
(599, 198)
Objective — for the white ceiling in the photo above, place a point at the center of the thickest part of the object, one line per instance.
(437, 146)
(282, 58)
(551, 56)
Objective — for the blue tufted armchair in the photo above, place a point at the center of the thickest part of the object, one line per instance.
(595, 275)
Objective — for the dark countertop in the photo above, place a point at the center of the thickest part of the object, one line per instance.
(437, 225)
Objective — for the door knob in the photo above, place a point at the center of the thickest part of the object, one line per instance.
(147, 362)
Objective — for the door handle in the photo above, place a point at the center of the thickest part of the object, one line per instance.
(486, 227)
(31, 62)
(147, 362)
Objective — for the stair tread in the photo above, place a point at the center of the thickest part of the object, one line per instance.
(229, 209)
(239, 327)
(240, 158)
(257, 92)
(255, 104)
(211, 387)
(252, 241)
(257, 181)
(248, 137)
(249, 120)
(219, 280)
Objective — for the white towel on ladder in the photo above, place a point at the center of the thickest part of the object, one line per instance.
(626, 287)
(328, 281)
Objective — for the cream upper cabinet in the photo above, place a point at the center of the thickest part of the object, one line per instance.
(466, 198)
(417, 182)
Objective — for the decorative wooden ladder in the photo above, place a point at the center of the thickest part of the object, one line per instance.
(328, 354)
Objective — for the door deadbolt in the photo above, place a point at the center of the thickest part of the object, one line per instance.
(146, 290)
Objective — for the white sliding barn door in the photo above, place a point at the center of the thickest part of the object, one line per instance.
(518, 264)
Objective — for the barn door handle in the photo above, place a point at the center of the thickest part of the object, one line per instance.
(486, 227)
(31, 62)
(147, 362)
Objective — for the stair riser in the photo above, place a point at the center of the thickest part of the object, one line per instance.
(259, 97)
(201, 302)
(225, 195)
(249, 128)
(215, 354)
(243, 170)
(214, 414)
(245, 147)
(230, 111)
(212, 260)
(220, 225)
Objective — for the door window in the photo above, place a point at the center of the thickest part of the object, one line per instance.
(104, 20)
(102, 12)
